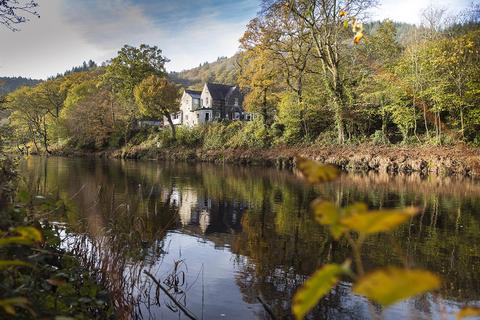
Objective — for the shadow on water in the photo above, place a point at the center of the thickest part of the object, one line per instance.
(219, 238)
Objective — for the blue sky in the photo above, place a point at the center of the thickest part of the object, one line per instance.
(189, 32)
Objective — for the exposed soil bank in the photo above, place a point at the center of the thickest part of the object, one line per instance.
(458, 160)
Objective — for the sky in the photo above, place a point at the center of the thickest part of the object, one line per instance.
(189, 32)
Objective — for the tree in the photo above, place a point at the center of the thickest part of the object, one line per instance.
(13, 12)
(127, 70)
(27, 118)
(325, 24)
(279, 42)
(87, 115)
(158, 97)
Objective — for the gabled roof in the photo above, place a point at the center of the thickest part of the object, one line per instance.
(219, 91)
(193, 93)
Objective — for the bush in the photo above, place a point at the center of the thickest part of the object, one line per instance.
(190, 137)
(218, 135)
(378, 138)
(252, 134)
(328, 138)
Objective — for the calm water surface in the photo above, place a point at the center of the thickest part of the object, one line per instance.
(218, 238)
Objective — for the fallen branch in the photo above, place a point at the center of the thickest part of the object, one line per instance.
(187, 312)
(267, 308)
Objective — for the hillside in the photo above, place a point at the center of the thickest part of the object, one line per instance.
(224, 70)
(9, 84)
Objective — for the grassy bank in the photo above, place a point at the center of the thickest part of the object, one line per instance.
(454, 160)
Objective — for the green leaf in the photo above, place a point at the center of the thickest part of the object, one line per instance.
(468, 312)
(378, 221)
(391, 285)
(315, 288)
(315, 172)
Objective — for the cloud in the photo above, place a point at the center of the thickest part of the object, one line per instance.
(188, 33)
(410, 10)
(44, 46)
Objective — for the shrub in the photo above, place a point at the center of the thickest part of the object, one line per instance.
(252, 134)
(217, 135)
(190, 137)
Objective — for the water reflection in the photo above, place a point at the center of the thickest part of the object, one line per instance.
(229, 236)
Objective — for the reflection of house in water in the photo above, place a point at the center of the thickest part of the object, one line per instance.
(209, 215)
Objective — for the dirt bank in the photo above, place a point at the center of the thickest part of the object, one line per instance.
(458, 160)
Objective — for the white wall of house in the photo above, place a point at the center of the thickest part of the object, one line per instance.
(204, 116)
(206, 97)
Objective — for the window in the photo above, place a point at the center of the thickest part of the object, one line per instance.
(175, 116)
(236, 102)
(237, 115)
(196, 103)
(206, 101)
(207, 116)
(198, 115)
(186, 117)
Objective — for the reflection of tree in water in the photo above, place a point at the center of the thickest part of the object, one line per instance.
(262, 216)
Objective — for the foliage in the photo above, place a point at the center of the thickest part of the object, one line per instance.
(223, 70)
(38, 278)
(157, 97)
(356, 223)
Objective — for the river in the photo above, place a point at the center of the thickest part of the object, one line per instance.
(221, 239)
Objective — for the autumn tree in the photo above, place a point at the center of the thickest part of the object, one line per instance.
(324, 20)
(158, 97)
(258, 75)
(282, 38)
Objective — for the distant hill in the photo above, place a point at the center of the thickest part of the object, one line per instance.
(9, 84)
(224, 70)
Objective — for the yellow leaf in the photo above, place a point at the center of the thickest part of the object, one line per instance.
(315, 288)
(378, 221)
(326, 213)
(468, 312)
(391, 285)
(30, 233)
(345, 24)
(343, 13)
(315, 172)
(358, 37)
(13, 263)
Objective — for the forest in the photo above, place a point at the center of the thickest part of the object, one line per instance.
(77, 235)
(380, 83)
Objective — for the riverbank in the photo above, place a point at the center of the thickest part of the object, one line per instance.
(444, 161)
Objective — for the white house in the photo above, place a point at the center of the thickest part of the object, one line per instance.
(216, 102)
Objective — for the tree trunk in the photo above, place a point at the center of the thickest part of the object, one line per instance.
(45, 137)
(462, 122)
(172, 126)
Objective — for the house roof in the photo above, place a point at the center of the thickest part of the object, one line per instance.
(193, 93)
(220, 91)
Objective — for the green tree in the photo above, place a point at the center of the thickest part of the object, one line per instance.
(158, 97)
(127, 70)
